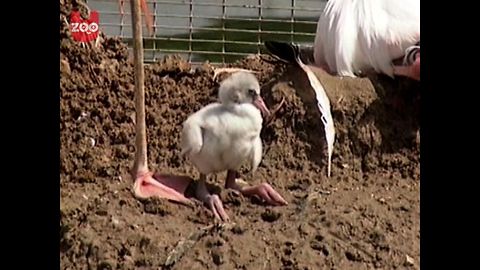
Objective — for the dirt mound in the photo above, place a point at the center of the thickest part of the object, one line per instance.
(365, 216)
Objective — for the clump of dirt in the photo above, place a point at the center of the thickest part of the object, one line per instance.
(365, 216)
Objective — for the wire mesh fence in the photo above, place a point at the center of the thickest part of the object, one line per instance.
(220, 31)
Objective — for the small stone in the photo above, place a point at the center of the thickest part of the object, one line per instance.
(107, 265)
(92, 142)
(289, 243)
(81, 116)
(237, 229)
(115, 221)
(270, 215)
(156, 207)
(351, 256)
(316, 245)
(319, 237)
(409, 261)
(101, 212)
(65, 67)
(217, 257)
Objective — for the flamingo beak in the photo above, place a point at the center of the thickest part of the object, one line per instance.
(260, 104)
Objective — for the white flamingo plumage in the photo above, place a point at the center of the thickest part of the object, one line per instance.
(224, 135)
(355, 36)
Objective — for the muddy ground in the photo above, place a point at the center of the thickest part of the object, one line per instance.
(366, 216)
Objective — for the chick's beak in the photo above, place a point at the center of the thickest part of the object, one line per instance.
(258, 102)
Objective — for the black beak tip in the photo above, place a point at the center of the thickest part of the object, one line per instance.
(285, 51)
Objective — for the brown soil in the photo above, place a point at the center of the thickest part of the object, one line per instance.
(366, 216)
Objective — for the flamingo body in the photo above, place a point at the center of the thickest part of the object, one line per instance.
(356, 35)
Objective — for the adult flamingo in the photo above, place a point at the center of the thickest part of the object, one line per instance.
(355, 36)
(148, 184)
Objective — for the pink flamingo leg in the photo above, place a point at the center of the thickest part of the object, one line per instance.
(145, 10)
(212, 201)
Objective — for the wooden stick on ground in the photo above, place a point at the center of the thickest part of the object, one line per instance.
(186, 244)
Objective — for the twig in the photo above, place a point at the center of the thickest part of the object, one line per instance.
(186, 244)
(312, 195)
(274, 112)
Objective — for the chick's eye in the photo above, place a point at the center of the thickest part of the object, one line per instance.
(252, 92)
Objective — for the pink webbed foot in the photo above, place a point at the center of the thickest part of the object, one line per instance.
(216, 206)
(147, 15)
(212, 201)
(263, 191)
(170, 187)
